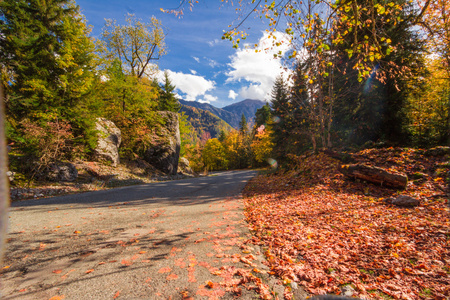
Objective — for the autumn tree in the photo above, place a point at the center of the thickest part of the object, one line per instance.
(46, 61)
(374, 109)
(214, 156)
(137, 45)
(45, 56)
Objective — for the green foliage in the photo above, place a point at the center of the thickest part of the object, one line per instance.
(136, 45)
(46, 59)
(262, 115)
(46, 55)
(131, 103)
(187, 134)
(167, 99)
(243, 126)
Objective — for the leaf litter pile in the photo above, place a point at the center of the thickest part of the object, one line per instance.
(325, 231)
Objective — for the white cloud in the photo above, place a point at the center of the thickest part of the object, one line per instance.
(196, 59)
(189, 85)
(232, 95)
(213, 43)
(212, 63)
(259, 67)
(193, 72)
(208, 99)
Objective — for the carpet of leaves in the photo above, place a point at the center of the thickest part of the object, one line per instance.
(325, 231)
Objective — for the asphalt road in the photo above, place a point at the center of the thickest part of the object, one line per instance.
(155, 241)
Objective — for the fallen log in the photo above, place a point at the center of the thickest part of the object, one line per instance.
(375, 175)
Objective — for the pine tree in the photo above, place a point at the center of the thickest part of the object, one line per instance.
(47, 55)
(262, 115)
(167, 99)
(243, 125)
(281, 110)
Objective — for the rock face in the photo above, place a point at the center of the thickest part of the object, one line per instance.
(109, 139)
(60, 171)
(164, 152)
(184, 168)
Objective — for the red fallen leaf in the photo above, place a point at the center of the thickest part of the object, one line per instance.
(116, 295)
(57, 297)
(142, 252)
(126, 262)
(22, 290)
(102, 263)
(57, 271)
(148, 279)
(165, 270)
(172, 277)
(89, 271)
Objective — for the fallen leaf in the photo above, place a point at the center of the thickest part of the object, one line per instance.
(165, 270)
(57, 271)
(89, 271)
(172, 277)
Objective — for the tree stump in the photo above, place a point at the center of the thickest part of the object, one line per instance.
(375, 175)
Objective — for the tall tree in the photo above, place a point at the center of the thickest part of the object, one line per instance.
(137, 45)
(281, 111)
(167, 99)
(45, 56)
(243, 125)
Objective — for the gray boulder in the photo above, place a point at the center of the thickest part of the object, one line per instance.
(109, 139)
(164, 150)
(60, 171)
(184, 167)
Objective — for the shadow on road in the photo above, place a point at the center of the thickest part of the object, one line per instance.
(178, 193)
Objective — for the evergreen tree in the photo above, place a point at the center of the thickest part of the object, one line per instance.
(243, 126)
(47, 55)
(167, 99)
(282, 116)
(262, 115)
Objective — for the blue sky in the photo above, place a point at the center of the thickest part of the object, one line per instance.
(202, 66)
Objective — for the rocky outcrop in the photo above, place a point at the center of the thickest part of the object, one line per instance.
(61, 171)
(184, 167)
(164, 151)
(109, 139)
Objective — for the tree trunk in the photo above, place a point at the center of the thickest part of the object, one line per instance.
(375, 175)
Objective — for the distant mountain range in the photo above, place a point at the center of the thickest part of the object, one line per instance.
(231, 114)
(208, 118)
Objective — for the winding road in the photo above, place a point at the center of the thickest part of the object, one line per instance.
(168, 240)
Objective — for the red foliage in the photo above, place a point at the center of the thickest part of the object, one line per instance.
(324, 231)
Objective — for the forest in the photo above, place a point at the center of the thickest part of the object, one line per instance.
(363, 74)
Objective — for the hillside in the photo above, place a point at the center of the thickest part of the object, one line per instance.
(248, 107)
(231, 114)
(204, 121)
(229, 117)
